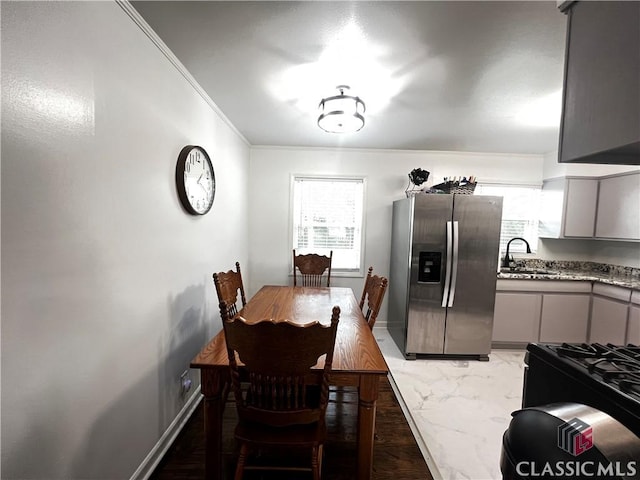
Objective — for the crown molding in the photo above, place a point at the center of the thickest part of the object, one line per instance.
(157, 41)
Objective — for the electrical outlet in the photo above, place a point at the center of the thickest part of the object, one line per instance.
(185, 383)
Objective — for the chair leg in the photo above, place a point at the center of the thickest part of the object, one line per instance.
(225, 395)
(316, 461)
(242, 457)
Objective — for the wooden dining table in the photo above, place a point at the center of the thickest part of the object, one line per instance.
(357, 361)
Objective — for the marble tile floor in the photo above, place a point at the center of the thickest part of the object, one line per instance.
(458, 409)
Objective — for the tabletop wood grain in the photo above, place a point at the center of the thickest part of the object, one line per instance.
(356, 349)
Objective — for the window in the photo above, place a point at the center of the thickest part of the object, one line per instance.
(520, 214)
(328, 214)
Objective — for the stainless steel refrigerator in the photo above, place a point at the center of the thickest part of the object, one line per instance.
(442, 277)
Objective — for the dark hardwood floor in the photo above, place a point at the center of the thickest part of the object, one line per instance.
(396, 454)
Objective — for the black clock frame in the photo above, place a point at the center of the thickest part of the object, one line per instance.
(182, 192)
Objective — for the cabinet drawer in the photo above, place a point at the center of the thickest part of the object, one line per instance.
(612, 291)
(552, 286)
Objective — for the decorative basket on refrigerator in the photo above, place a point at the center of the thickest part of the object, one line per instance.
(456, 187)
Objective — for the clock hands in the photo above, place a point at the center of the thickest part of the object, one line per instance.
(206, 188)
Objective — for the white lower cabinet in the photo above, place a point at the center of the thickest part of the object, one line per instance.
(609, 314)
(564, 318)
(633, 327)
(633, 332)
(552, 311)
(541, 311)
(608, 321)
(516, 317)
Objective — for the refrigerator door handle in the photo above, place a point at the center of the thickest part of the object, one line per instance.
(454, 264)
(447, 277)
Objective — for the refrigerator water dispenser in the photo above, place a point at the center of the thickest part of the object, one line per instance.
(429, 264)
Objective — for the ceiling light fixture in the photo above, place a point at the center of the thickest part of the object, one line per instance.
(341, 113)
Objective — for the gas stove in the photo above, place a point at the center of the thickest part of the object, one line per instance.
(616, 365)
(606, 377)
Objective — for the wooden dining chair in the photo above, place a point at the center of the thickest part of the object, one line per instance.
(228, 284)
(281, 400)
(372, 294)
(312, 268)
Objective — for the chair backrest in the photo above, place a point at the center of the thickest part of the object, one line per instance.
(312, 268)
(280, 386)
(227, 286)
(373, 294)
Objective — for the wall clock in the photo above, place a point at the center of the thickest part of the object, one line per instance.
(195, 180)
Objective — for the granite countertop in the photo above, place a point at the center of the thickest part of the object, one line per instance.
(535, 269)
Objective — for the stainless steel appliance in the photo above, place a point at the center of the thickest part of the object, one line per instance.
(606, 377)
(568, 440)
(442, 277)
(581, 407)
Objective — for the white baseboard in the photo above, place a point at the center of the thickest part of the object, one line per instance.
(154, 457)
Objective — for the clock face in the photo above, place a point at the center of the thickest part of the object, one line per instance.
(195, 180)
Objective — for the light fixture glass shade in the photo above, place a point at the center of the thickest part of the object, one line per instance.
(341, 113)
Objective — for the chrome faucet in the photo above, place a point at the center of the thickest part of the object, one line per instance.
(506, 261)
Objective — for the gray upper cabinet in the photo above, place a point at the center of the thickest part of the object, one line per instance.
(568, 208)
(601, 97)
(618, 215)
(601, 208)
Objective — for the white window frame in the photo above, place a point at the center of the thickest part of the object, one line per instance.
(335, 271)
(517, 246)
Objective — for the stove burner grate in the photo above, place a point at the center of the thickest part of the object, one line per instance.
(582, 350)
(610, 362)
(617, 366)
(630, 386)
(632, 351)
(611, 376)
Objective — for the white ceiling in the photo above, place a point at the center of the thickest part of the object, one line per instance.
(460, 76)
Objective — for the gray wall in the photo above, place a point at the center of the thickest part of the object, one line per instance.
(106, 282)
(386, 176)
